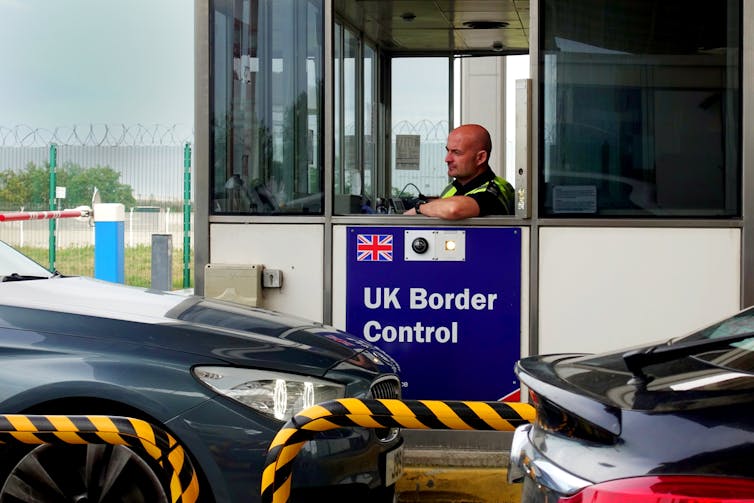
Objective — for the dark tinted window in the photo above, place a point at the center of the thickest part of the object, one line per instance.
(640, 108)
(267, 106)
(740, 354)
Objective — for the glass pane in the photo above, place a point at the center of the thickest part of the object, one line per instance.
(337, 109)
(369, 162)
(349, 172)
(420, 112)
(640, 108)
(267, 114)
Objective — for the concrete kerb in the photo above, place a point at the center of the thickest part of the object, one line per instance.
(456, 485)
(456, 467)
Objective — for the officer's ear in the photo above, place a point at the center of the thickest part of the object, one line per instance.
(481, 157)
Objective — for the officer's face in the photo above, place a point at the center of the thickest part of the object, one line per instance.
(465, 157)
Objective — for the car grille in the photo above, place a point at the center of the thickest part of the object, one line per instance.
(386, 388)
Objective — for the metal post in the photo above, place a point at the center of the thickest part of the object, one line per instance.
(53, 184)
(186, 215)
(109, 258)
(162, 262)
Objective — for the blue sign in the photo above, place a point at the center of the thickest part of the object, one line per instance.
(445, 303)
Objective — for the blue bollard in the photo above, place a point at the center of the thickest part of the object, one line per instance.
(108, 242)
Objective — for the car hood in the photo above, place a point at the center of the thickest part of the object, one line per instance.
(236, 334)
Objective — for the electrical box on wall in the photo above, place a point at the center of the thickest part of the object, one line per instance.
(240, 283)
(272, 278)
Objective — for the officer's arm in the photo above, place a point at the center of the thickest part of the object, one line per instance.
(451, 208)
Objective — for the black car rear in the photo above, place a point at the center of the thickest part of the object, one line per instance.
(669, 421)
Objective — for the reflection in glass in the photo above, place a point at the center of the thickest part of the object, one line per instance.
(350, 173)
(355, 122)
(266, 114)
(640, 108)
(369, 162)
(338, 108)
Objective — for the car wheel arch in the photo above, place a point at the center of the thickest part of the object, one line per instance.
(88, 394)
(91, 404)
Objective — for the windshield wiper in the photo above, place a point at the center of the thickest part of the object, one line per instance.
(638, 359)
(21, 277)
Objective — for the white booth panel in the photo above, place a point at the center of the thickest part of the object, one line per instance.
(525, 302)
(296, 250)
(606, 288)
(339, 276)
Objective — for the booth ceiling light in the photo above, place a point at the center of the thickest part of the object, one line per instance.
(485, 25)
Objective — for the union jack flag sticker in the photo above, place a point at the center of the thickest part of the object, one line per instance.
(374, 247)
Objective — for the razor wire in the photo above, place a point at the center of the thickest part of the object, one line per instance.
(96, 135)
(114, 135)
(428, 130)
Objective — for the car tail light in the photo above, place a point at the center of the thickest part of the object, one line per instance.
(552, 417)
(667, 489)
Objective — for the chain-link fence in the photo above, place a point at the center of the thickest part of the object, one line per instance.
(431, 175)
(144, 168)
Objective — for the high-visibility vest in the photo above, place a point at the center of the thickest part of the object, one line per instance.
(497, 186)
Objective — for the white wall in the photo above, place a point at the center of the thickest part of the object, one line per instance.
(339, 259)
(297, 250)
(606, 288)
(483, 102)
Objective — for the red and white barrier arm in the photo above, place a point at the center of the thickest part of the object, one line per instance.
(16, 216)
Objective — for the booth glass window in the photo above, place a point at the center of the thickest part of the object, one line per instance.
(369, 189)
(355, 122)
(347, 170)
(337, 108)
(267, 108)
(640, 108)
(421, 109)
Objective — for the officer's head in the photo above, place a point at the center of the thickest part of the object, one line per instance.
(468, 152)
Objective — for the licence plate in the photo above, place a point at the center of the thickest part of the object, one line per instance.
(393, 465)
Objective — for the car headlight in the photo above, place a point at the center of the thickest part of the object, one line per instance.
(275, 394)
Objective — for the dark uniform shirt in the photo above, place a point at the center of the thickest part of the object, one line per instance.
(492, 193)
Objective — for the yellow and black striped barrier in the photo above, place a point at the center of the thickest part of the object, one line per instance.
(114, 430)
(350, 412)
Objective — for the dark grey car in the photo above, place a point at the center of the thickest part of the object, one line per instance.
(220, 377)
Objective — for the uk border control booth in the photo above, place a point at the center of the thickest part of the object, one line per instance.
(621, 124)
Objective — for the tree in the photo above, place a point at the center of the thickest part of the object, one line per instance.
(30, 188)
(80, 183)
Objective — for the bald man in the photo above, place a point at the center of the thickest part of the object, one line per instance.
(475, 191)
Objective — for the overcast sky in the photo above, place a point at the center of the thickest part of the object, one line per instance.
(73, 62)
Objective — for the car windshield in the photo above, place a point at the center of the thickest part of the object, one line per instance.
(739, 354)
(14, 264)
(740, 324)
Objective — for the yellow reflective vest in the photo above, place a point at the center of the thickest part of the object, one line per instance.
(493, 194)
